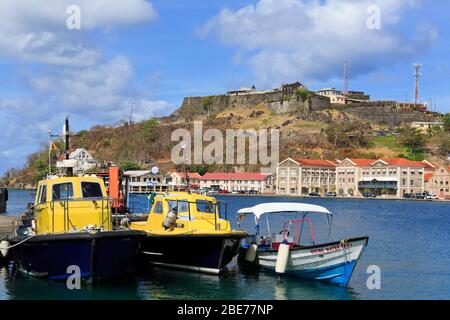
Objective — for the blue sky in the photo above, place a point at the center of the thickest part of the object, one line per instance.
(154, 53)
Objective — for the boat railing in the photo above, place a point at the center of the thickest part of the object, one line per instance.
(102, 203)
(298, 229)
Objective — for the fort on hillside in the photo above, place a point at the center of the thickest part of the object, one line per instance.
(296, 98)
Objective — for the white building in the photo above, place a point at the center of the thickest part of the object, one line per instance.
(144, 181)
(335, 96)
(246, 181)
(179, 179)
(81, 160)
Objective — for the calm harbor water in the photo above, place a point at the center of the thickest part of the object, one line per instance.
(409, 241)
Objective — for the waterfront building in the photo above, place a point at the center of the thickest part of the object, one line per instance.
(437, 181)
(389, 177)
(349, 174)
(179, 179)
(263, 183)
(81, 159)
(144, 182)
(304, 176)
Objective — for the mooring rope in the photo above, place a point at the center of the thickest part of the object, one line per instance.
(19, 243)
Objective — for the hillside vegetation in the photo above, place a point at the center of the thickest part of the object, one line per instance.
(324, 134)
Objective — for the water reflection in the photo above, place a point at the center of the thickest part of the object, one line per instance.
(19, 286)
(237, 282)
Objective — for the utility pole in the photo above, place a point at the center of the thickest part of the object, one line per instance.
(417, 76)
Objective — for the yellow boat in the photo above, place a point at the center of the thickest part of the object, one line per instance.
(188, 231)
(68, 229)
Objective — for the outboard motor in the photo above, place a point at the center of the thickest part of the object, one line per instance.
(171, 219)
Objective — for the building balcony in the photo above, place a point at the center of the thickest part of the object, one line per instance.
(378, 185)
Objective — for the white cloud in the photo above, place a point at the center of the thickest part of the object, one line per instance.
(62, 71)
(310, 40)
(36, 30)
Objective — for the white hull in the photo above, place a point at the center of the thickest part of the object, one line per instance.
(334, 262)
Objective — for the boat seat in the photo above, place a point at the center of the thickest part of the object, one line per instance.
(279, 239)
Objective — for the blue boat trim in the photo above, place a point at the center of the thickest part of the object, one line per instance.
(337, 274)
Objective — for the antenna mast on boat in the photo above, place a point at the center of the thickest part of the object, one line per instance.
(69, 170)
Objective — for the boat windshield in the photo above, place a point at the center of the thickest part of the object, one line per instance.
(199, 206)
(181, 205)
(205, 206)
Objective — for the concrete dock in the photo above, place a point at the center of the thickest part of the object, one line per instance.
(6, 225)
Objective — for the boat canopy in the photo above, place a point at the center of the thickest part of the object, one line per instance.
(283, 207)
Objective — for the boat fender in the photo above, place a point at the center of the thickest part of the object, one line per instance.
(4, 247)
(250, 255)
(33, 225)
(282, 258)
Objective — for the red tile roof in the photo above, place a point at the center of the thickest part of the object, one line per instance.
(63, 156)
(363, 162)
(316, 163)
(403, 162)
(428, 176)
(191, 175)
(430, 164)
(235, 176)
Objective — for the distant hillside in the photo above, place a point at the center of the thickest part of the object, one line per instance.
(307, 131)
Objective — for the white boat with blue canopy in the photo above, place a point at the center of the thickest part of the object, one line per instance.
(284, 253)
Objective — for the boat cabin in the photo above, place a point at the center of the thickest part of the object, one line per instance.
(194, 213)
(71, 203)
(292, 230)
